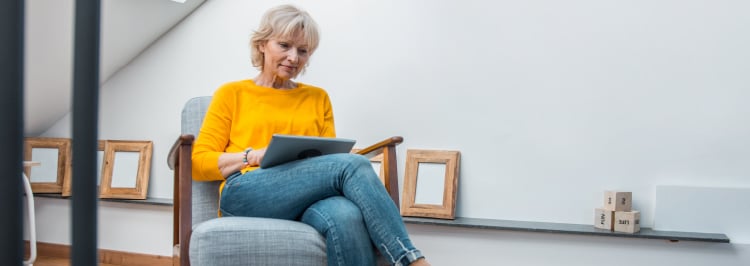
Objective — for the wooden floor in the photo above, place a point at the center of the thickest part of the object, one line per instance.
(53, 261)
(59, 255)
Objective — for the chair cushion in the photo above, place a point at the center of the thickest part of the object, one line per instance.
(256, 241)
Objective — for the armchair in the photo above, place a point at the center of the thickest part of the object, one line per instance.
(201, 238)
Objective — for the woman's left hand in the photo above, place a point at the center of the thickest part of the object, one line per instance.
(254, 156)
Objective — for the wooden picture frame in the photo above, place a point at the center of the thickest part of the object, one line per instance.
(439, 178)
(54, 165)
(67, 189)
(123, 161)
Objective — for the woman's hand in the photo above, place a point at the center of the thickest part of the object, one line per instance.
(254, 157)
(232, 162)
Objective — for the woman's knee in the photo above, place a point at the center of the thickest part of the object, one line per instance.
(333, 212)
(352, 159)
(358, 163)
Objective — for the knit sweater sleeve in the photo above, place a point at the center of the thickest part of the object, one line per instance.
(328, 129)
(213, 137)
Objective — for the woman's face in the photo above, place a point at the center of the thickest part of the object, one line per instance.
(285, 58)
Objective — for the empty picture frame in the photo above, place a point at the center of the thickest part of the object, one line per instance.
(126, 169)
(430, 184)
(67, 189)
(54, 156)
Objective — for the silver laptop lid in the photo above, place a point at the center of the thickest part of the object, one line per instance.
(287, 148)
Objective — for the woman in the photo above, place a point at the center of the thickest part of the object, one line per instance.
(339, 195)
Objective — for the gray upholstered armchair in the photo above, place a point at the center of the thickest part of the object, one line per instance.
(201, 238)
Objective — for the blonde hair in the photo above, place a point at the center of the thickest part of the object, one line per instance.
(283, 21)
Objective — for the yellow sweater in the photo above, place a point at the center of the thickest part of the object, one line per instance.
(243, 114)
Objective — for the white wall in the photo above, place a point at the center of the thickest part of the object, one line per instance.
(122, 226)
(460, 246)
(128, 27)
(549, 102)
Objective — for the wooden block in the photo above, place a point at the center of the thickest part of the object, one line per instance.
(628, 222)
(618, 201)
(604, 219)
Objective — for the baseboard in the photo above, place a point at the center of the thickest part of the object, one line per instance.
(105, 256)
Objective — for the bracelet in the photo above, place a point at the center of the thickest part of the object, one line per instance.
(244, 156)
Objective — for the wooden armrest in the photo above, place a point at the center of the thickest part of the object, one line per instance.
(182, 140)
(377, 148)
(180, 161)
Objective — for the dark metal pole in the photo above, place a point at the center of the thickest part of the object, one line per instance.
(11, 131)
(85, 125)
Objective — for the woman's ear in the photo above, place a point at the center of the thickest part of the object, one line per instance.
(262, 47)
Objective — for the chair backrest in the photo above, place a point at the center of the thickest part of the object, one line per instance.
(205, 195)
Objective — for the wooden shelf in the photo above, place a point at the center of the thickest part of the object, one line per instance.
(148, 201)
(576, 229)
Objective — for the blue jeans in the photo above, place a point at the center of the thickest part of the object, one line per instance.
(339, 195)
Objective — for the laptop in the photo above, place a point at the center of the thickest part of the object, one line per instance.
(287, 148)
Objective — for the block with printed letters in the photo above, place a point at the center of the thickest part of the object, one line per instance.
(603, 219)
(618, 200)
(628, 222)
